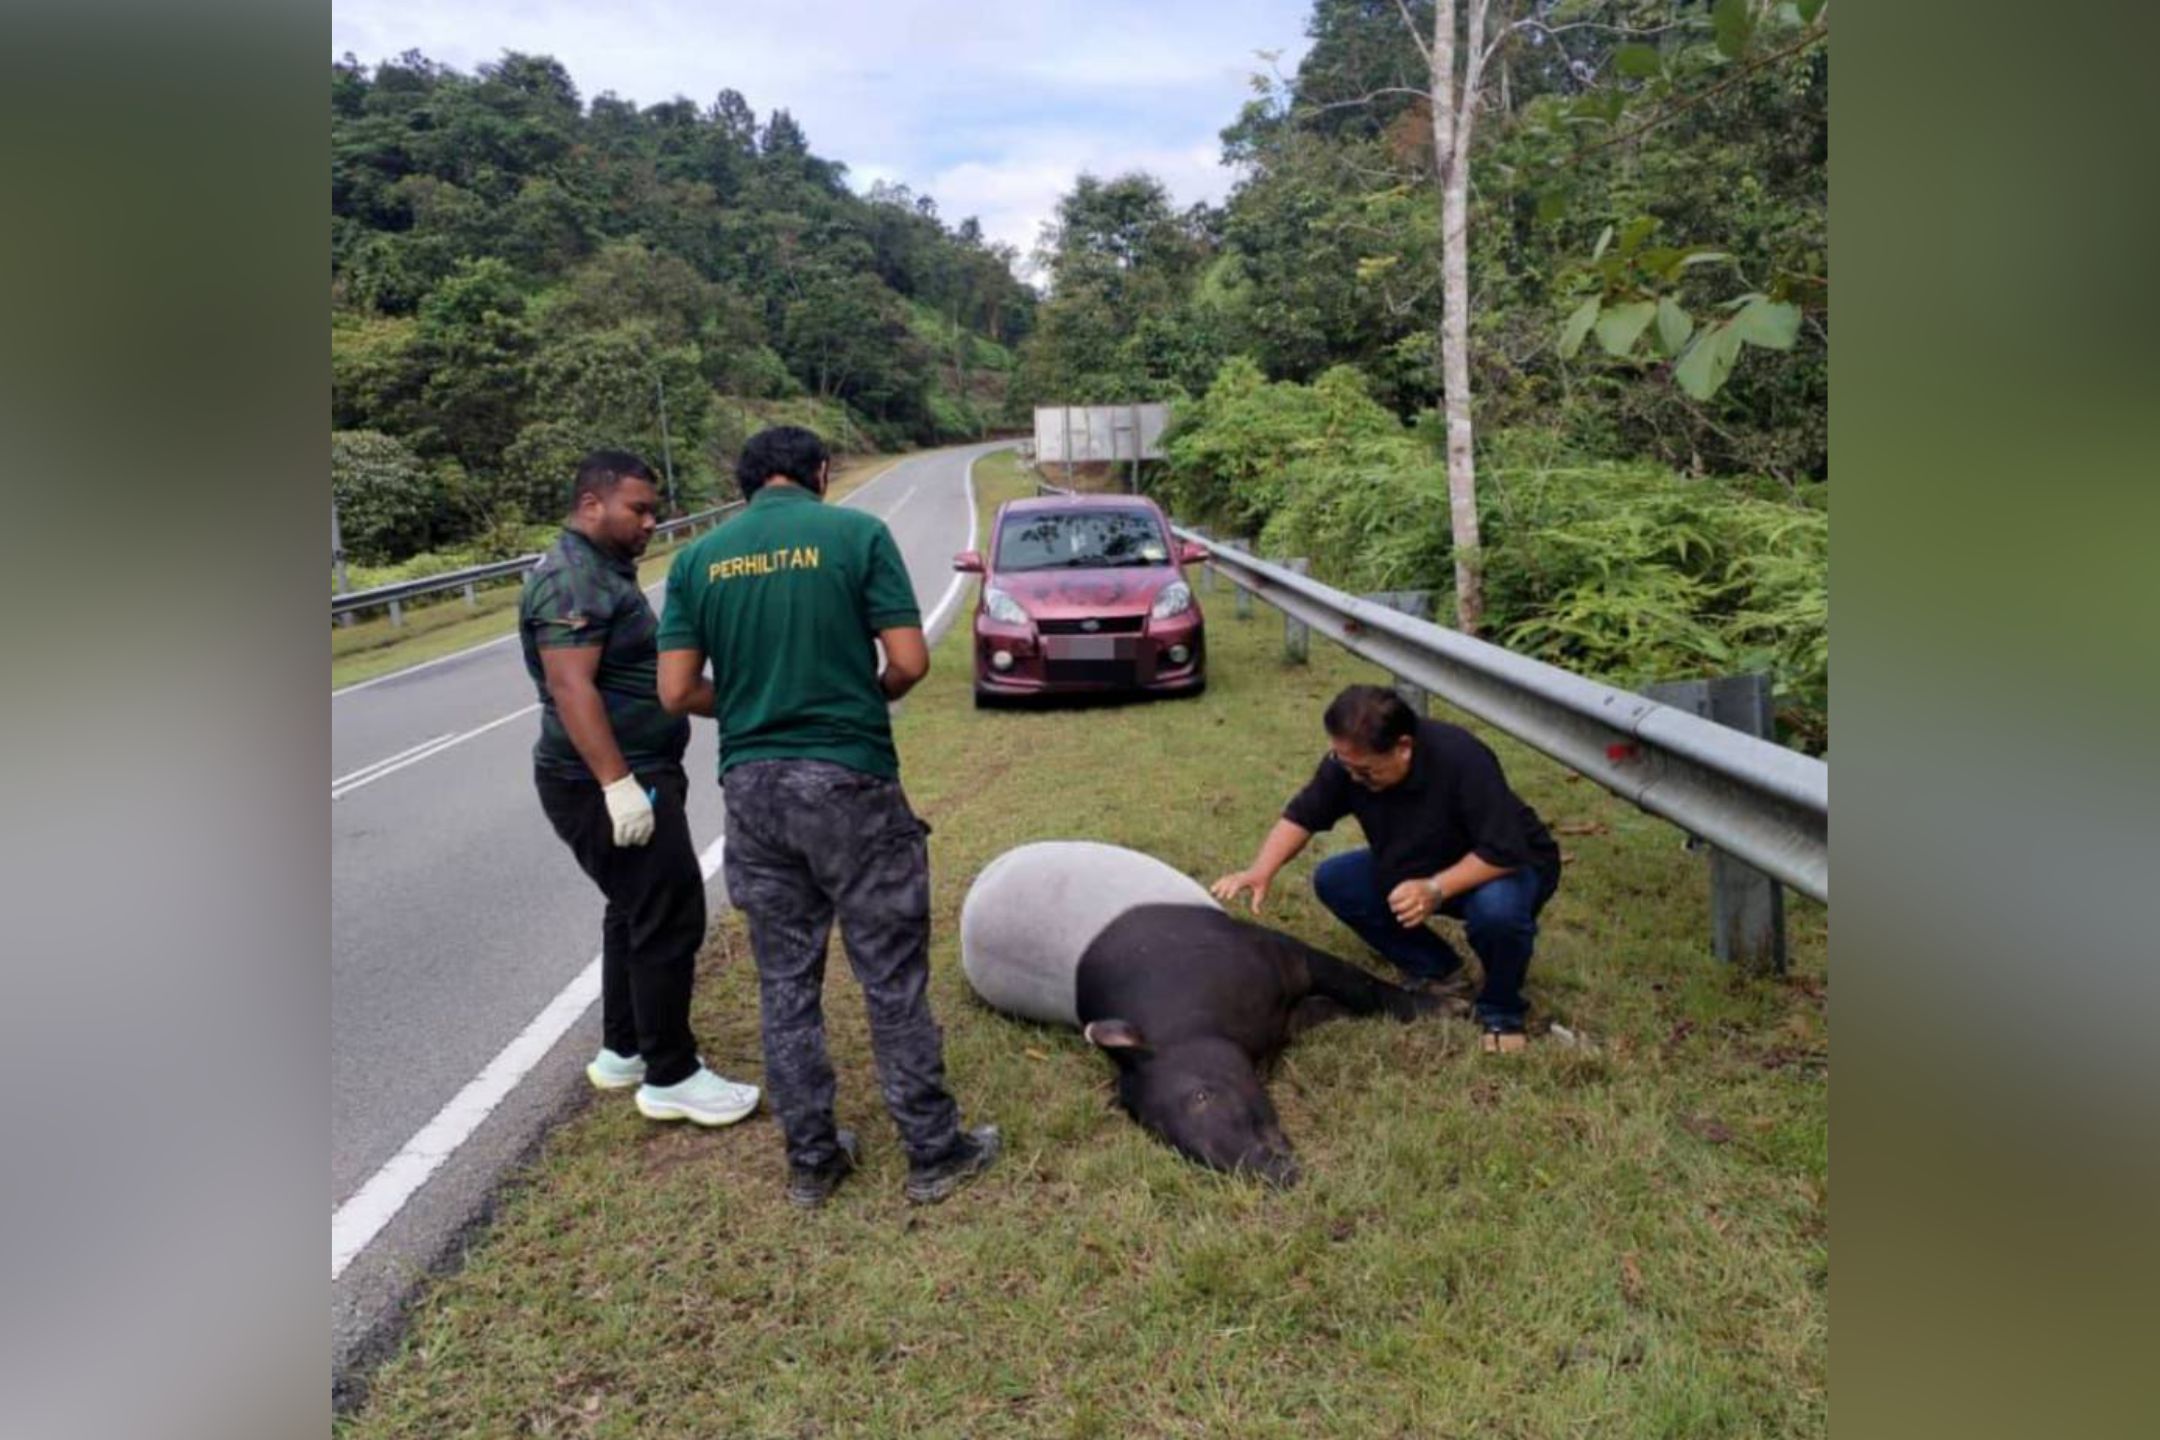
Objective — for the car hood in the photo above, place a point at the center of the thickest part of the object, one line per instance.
(1063, 594)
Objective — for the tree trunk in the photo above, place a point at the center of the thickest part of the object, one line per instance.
(1454, 110)
(959, 357)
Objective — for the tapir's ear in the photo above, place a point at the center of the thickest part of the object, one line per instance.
(1114, 1035)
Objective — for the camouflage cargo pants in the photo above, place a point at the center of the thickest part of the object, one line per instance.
(806, 841)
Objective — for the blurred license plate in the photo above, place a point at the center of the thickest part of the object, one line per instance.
(1082, 647)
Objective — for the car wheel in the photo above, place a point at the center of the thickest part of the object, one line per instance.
(984, 700)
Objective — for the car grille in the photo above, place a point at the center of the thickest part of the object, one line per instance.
(1105, 625)
(1090, 672)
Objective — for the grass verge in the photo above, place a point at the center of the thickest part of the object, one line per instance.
(1629, 1240)
(431, 630)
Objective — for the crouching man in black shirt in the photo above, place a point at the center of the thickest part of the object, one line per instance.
(1447, 836)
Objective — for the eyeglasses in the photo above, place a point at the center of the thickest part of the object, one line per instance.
(1364, 773)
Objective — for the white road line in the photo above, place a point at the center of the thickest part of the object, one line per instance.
(339, 789)
(951, 597)
(900, 464)
(361, 1218)
(369, 777)
(391, 759)
(887, 516)
(424, 665)
(453, 655)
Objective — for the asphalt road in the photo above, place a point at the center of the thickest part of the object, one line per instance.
(456, 916)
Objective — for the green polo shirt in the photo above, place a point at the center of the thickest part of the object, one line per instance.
(786, 601)
(580, 595)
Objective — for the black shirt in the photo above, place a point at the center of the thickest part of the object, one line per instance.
(1453, 801)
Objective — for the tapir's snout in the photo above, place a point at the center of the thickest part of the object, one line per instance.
(1271, 1158)
(1278, 1168)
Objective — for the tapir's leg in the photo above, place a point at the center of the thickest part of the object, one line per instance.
(1311, 1011)
(1355, 990)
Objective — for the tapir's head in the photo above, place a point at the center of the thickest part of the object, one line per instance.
(1203, 1097)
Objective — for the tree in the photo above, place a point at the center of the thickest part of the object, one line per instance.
(387, 506)
(1592, 70)
(473, 342)
(1121, 261)
(1457, 76)
(1447, 85)
(599, 389)
(1639, 302)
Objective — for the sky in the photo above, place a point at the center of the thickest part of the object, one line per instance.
(992, 109)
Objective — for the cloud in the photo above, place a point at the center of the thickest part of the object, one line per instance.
(993, 109)
(1014, 198)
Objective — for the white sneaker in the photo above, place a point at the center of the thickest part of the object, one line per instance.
(610, 1071)
(703, 1099)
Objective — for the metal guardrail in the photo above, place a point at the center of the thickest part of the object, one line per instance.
(394, 596)
(1751, 798)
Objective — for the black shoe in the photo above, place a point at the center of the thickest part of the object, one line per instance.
(975, 1152)
(810, 1186)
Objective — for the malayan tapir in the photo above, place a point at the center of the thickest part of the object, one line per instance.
(1187, 1001)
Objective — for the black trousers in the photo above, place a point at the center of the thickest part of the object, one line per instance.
(655, 918)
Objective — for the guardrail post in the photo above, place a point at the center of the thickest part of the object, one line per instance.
(1241, 597)
(1296, 635)
(397, 615)
(472, 596)
(1418, 604)
(1207, 572)
(1747, 907)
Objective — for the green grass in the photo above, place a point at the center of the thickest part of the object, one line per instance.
(442, 627)
(1630, 1240)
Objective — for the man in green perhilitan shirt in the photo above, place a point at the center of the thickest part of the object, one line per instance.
(791, 601)
(608, 765)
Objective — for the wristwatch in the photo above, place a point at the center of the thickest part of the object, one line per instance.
(1439, 895)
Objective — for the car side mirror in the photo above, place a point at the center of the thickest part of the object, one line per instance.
(1191, 554)
(968, 562)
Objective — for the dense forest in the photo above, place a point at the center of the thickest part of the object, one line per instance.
(518, 276)
(1647, 228)
(1326, 252)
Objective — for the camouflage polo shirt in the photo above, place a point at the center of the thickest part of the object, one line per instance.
(577, 596)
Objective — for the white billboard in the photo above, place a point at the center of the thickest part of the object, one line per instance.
(1083, 433)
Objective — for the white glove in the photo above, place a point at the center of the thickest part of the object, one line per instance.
(630, 810)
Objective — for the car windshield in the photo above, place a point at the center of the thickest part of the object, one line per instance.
(1073, 539)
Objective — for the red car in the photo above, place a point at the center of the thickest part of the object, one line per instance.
(1084, 593)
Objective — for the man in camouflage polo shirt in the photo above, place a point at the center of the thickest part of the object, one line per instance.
(790, 600)
(608, 766)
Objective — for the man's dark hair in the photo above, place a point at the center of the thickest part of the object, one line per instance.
(787, 450)
(600, 472)
(1371, 717)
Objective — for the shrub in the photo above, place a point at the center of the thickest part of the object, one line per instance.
(389, 505)
(1624, 571)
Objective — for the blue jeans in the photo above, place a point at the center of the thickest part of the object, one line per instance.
(1501, 916)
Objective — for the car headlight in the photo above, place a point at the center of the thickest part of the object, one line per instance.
(1175, 599)
(1003, 607)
